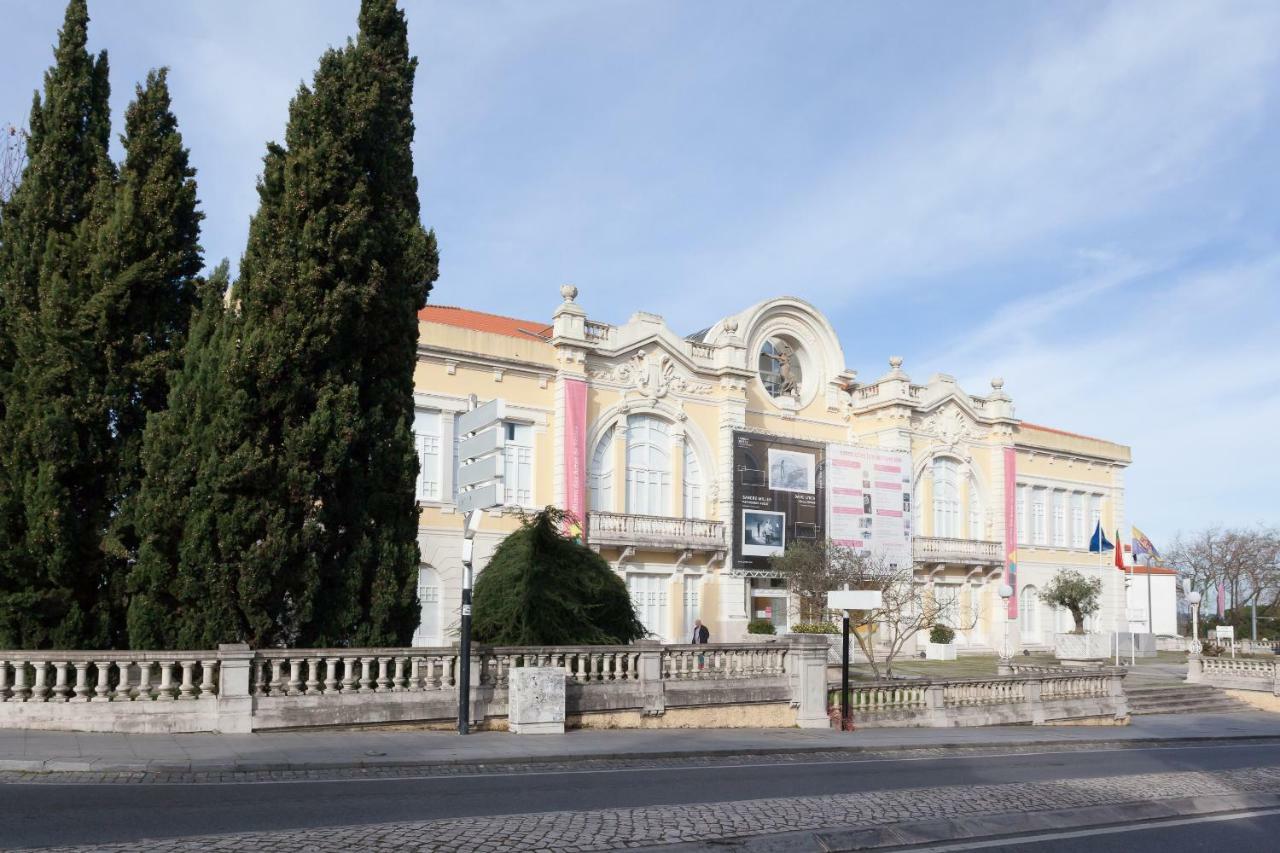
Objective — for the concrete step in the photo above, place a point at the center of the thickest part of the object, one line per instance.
(1174, 698)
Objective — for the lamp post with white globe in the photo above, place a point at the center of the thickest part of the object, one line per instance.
(1006, 592)
(1193, 598)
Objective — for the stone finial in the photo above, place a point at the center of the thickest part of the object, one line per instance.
(569, 292)
(895, 362)
(997, 383)
(731, 325)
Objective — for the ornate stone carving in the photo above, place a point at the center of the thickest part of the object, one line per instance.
(653, 376)
(949, 425)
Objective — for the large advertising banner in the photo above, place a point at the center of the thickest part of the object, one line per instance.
(869, 501)
(575, 449)
(1011, 528)
(778, 496)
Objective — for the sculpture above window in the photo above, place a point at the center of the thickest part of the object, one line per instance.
(780, 368)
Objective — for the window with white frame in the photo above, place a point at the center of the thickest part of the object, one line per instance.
(974, 510)
(1020, 512)
(517, 465)
(428, 633)
(1038, 532)
(600, 474)
(1079, 538)
(693, 505)
(946, 498)
(1095, 514)
(1059, 518)
(648, 465)
(426, 440)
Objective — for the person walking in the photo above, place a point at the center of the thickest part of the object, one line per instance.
(701, 636)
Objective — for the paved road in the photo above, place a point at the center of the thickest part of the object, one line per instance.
(51, 814)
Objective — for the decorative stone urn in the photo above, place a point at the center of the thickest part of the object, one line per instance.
(1082, 649)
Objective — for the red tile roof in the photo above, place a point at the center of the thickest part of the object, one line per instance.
(1140, 569)
(465, 318)
(1029, 425)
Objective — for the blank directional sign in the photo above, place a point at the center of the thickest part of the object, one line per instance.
(480, 417)
(855, 599)
(481, 444)
(480, 471)
(481, 497)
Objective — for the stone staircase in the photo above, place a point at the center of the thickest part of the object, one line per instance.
(1175, 698)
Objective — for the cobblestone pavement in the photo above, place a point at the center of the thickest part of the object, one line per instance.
(583, 765)
(611, 829)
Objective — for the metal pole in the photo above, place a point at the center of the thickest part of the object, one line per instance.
(464, 652)
(1151, 616)
(844, 676)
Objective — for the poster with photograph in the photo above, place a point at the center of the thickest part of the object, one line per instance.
(869, 501)
(791, 471)
(763, 533)
(778, 497)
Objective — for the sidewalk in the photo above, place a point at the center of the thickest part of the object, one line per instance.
(22, 750)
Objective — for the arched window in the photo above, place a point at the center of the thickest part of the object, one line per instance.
(946, 498)
(693, 504)
(648, 466)
(977, 523)
(428, 633)
(600, 474)
(1029, 614)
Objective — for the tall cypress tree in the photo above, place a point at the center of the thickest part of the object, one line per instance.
(54, 435)
(307, 513)
(147, 258)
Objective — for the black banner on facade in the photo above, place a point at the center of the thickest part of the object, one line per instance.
(778, 496)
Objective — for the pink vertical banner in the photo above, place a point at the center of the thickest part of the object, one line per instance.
(1011, 528)
(575, 449)
(1222, 600)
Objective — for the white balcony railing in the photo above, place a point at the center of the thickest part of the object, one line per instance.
(653, 531)
(934, 549)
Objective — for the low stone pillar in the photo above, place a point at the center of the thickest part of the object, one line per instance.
(535, 700)
(808, 659)
(1033, 690)
(652, 689)
(1004, 667)
(1275, 679)
(936, 706)
(1195, 669)
(1116, 691)
(235, 704)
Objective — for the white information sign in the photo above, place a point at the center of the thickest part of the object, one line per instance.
(1225, 632)
(869, 501)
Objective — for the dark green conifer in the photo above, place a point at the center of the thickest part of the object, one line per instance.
(306, 510)
(54, 434)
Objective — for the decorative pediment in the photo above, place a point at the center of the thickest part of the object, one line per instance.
(950, 424)
(653, 373)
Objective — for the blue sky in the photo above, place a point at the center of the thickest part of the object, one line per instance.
(1083, 198)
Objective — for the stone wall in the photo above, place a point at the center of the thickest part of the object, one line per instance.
(1235, 673)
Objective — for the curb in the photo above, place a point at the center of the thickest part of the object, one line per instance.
(888, 751)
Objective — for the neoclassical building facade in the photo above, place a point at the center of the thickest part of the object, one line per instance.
(692, 457)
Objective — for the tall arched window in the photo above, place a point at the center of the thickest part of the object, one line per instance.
(648, 466)
(946, 498)
(1029, 614)
(600, 474)
(977, 523)
(693, 505)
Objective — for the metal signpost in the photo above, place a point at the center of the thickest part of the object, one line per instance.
(482, 439)
(847, 600)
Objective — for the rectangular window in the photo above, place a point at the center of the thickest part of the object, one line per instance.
(1039, 534)
(1079, 538)
(1095, 515)
(1059, 519)
(1020, 514)
(517, 467)
(426, 439)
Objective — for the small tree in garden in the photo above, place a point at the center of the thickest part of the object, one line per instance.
(1076, 593)
(542, 588)
(811, 570)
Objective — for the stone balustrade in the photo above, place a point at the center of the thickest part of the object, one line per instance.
(1035, 698)
(777, 682)
(1235, 673)
(936, 549)
(653, 531)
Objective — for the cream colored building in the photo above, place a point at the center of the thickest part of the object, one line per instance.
(651, 461)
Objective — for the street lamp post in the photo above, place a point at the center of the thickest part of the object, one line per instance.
(1149, 562)
(1006, 592)
(1193, 598)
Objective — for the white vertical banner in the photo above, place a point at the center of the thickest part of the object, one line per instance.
(869, 501)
